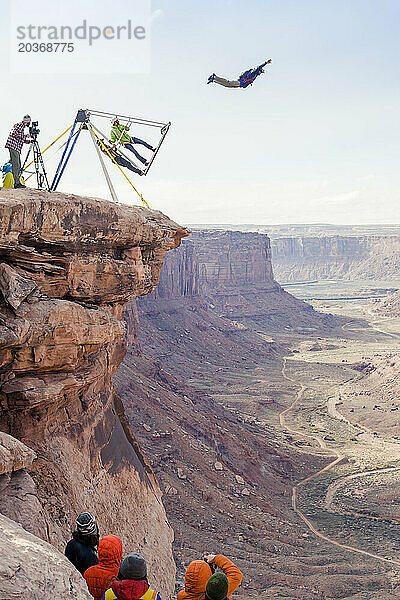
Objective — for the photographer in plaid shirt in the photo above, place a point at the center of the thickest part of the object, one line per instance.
(16, 140)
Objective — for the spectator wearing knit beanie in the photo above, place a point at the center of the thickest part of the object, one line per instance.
(132, 581)
(81, 550)
(217, 587)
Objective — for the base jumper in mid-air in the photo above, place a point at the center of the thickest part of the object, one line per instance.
(245, 79)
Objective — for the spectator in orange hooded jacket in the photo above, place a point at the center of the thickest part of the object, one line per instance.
(199, 572)
(99, 577)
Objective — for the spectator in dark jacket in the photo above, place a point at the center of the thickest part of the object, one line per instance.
(81, 550)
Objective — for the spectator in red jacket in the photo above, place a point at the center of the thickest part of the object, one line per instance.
(99, 577)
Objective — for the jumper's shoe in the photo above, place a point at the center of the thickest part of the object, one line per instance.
(19, 185)
(211, 78)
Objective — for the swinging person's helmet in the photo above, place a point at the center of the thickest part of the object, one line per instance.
(7, 168)
(116, 121)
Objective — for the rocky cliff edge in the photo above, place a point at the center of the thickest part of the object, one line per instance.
(68, 265)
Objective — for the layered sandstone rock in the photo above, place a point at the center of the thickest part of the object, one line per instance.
(308, 258)
(18, 493)
(13, 454)
(31, 568)
(232, 271)
(218, 263)
(67, 267)
(180, 274)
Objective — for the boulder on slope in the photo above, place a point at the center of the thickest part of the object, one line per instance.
(31, 568)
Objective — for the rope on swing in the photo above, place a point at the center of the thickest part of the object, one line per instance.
(113, 160)
(32, 173)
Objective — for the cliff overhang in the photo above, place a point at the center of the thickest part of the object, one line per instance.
(68, 265)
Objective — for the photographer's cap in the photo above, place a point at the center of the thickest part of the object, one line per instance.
(26, 119)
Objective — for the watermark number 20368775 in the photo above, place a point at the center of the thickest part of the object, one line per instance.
(43, 47)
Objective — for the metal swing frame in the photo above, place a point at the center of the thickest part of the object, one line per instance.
(83, 122)
(163, 127)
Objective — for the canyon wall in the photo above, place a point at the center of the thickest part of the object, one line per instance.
(68, 265)
(336, 257)
(232, 273)
(217, 262)
(201, 384)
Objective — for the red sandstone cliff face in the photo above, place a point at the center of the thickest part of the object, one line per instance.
(67, 267)
(233, 275)
(180, 274)
(223, 261)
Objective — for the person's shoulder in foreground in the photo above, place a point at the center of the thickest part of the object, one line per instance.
(132, 583)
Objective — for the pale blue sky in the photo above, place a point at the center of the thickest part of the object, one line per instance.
(314, 140)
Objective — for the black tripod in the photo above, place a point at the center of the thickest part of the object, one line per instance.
(40, 171)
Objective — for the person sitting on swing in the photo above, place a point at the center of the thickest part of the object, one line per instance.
(111, 151)
(119, 134)
(245, 79)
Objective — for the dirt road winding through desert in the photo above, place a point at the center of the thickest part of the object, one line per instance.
(336, 458)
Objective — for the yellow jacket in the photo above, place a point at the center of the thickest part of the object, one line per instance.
(8, 180)
(149, 595)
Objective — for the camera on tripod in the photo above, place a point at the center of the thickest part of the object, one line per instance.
(33, 130)
(34, 149)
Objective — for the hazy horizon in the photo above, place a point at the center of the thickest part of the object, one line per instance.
(322, 224)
